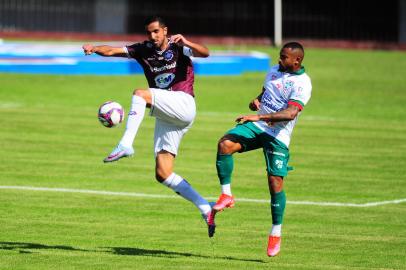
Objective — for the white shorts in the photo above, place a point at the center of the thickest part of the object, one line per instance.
(175, 112)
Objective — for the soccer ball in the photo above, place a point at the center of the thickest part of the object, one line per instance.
(110, 114)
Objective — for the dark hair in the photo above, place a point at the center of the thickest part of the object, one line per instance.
(294, 45)
(155, 18)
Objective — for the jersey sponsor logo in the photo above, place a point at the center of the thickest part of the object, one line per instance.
(165, 67)
(269, 103)
(164, 80)
(168, 55)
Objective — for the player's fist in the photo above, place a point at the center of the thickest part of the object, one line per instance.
(254, 105)
(179, 39)
(87, 49)
(247, 118)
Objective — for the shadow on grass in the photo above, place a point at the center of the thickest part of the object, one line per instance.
(169, 254)
(22, 247)
(128, 251)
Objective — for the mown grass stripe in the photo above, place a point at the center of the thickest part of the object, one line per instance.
(145, 195)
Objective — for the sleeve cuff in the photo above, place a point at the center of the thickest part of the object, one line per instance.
(296, 103)
(126, 51)
(187, 51)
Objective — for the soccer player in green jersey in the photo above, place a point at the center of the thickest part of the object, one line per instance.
(285, 92)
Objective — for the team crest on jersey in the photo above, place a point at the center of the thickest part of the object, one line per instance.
(168, 55)
(288, 85)
(164, 80)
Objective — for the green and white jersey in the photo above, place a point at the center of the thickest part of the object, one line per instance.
(281, 89)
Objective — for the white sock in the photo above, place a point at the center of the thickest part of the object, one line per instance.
(276, 230)
(184, 189)
(226, 189)
(135, 116)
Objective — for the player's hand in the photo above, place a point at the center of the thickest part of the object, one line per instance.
(179, 39)
(254, 105)
(88, 49)
(247, 118)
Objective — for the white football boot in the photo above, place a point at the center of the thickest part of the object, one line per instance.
(119, 152)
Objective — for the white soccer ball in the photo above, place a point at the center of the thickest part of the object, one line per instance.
(111, 114)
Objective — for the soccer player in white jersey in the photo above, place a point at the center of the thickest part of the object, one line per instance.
(169, 71)
(285, 92)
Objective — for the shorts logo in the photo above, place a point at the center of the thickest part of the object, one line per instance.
(168, 55)
(164, 80)
(132, 113)
(279, 164)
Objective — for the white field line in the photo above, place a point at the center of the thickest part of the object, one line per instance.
(145, 195)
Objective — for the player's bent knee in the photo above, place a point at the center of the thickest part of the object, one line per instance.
(226, 146)
(142, 93)
(275, 183)
(139, 92)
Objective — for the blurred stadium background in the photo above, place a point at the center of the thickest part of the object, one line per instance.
(347, 23)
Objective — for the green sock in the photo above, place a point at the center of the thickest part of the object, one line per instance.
(278, 202)
(224, 165)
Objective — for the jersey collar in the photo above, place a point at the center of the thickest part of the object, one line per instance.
(160, 52)
(297, 72)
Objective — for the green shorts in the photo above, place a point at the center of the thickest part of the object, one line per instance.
(251, 137)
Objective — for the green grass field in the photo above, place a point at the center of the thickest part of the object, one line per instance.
(348, 147)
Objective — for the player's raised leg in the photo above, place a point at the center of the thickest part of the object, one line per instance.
(278, 202)
(140, 100)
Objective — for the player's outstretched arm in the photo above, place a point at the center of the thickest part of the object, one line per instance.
(197, 49)
(287, 114)
(104, 50)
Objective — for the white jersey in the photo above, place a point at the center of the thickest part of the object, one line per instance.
(281, 89)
